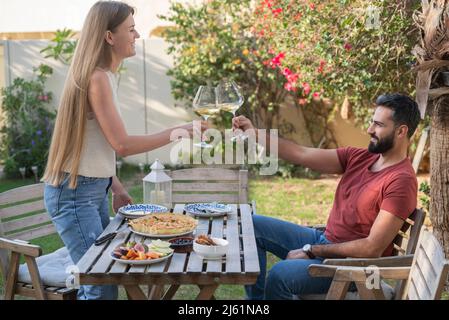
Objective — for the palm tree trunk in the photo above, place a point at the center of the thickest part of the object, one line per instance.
(439, 175)
(432, 53)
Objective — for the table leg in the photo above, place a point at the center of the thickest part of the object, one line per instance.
(171, 292)
(156, 292)
(134, 292)
(207, 292)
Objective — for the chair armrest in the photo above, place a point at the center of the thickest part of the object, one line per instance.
(20, 246)
(349, 273)
(394, 261)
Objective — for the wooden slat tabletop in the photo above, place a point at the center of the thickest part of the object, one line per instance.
(239, 266)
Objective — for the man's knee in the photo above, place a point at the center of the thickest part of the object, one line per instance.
(262, 225)
(278, 275)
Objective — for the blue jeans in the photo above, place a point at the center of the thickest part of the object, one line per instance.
(80, 216)
(288, 277)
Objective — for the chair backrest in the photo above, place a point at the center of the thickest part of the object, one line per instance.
(209, 184)
(429, 270)
(23, 216)
(406, 240)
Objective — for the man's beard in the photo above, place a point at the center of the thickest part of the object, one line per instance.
(382, 145)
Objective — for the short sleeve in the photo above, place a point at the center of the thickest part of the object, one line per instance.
(400, 196)
(346, 155)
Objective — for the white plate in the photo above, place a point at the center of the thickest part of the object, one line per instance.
(141, 262)
(161, 235)
(212, 209)
(141, 210)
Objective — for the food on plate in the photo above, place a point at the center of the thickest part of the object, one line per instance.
(141, 251)
(205, 240)
(163, 224)
(181, 244)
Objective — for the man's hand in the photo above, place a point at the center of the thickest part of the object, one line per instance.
(297, 254)
(242, 123)
(120, 199)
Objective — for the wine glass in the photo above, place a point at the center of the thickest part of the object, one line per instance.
(230, 99)
(205, 104)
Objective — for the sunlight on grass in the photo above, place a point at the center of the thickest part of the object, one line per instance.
(300, 201)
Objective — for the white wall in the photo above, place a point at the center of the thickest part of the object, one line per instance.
(144, 92)
(50, 15)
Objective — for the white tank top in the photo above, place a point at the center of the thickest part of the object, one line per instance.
(98, 156)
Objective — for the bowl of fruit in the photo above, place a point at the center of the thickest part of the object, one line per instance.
(181, 244)
(133, 252)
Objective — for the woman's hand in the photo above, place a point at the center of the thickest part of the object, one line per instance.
(120, 199)
(191, 128)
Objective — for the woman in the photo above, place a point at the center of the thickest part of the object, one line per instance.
(89, 132)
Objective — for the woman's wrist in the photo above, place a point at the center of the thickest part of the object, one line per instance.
(116, 187)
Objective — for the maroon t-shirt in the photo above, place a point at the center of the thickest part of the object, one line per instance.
(361, 194)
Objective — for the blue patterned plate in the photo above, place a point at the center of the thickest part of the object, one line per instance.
(139, 210)
(212, 209)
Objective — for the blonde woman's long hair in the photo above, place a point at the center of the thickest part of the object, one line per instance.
(92, 51)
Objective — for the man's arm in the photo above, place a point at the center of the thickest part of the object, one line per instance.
(321, 160)
(385, 228)
(324, 161)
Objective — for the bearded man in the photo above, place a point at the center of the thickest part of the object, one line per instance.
(376, 194)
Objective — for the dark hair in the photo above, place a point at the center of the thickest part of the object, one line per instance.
(405, 110)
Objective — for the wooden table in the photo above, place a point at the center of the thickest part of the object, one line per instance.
(240, 266)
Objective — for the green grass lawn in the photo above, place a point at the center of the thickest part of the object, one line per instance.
(295, 200)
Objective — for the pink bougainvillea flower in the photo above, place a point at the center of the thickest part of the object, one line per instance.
(347, 46)
(281, 55)
(316, 95)
(268, 3)
(306, 88)
(312, 6)
(276, 61)
(276, 12)
(302, 101)
(286, 72)
(292, 78)
(320, 69)
(289, 86)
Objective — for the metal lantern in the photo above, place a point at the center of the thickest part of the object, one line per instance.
(157, 186)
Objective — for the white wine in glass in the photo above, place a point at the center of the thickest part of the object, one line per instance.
(205, 104)
(230, 99)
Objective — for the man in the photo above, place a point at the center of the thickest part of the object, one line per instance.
(376, 193)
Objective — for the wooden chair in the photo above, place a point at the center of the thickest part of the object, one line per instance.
(404, 246)
(23, 218)
(424, 279)
(209, 184)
